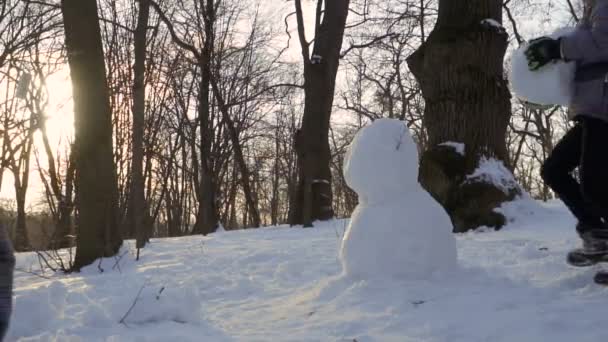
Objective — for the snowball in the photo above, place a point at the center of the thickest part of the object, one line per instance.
(382, 161)
(398, 229)
(549, 85)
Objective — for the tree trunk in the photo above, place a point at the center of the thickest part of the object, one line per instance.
(274, 201)
(467, 102)
(206, 220)
(137, 198)
(314, 192)
(21, 238)
(64, 234)
(96, 183)
(21, 174)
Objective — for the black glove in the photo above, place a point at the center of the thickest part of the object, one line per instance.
(542, 51)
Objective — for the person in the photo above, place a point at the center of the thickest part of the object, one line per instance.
(584, 145)
(7, 266)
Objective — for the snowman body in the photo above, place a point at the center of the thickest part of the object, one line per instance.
(398, 229)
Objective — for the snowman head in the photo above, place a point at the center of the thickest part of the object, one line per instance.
(382, 161)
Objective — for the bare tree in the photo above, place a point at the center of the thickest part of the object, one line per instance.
(137, 196)
(468, 102)
(96, 187)
(314, 194)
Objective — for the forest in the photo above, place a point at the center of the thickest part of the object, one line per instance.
(196, 115)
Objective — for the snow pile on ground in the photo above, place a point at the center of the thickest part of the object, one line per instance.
(284, 284)
(398, 229)
(550, 85)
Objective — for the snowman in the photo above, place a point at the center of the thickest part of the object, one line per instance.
(398, 230)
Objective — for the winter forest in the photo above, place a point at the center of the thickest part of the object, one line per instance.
(214, 170)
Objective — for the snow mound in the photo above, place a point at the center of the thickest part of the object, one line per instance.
(382, 161)
(493, 171)
(398, 229)
(550, 85)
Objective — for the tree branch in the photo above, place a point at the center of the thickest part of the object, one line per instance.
(368, 44)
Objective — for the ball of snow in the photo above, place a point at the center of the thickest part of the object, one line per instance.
(549, 85)
(382, 160)
(408, 238)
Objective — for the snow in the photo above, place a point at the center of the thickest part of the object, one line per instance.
(493, 23)
(493, 171)
(550, 85)
(282, 284)
(458, 147)
(398, 229)
(409, 238)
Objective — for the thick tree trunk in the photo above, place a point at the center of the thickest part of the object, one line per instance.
(96, 184)
(460, 71)
(207, 218)
(314, 193)
(137, 199)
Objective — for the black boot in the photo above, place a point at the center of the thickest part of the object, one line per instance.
(600, 234)
(593, 250)
(601, 278)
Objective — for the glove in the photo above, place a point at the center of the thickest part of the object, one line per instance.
(542, 51)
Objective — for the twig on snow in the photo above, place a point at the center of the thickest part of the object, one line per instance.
(122, 320)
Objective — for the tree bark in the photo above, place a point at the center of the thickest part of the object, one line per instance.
(21, 238)
(314, 193)
(98, 234)
(207, 218)
(21, 174)
(137, 198)
(460, 71)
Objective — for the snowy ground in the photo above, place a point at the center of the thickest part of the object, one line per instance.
(281, 284)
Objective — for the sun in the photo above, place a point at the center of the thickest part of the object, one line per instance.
(60, 132)
(60, 109)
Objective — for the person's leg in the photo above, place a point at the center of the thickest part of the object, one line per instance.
(594, 190)
(556, 172)
(7, 266)
(594, 165)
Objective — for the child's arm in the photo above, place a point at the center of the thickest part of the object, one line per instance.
(589, 45)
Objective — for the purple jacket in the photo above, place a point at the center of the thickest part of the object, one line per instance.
(588, 47)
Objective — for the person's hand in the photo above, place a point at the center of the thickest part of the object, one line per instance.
(542, 51)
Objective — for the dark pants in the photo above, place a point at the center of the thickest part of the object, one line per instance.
(7, 265)
(584, 146)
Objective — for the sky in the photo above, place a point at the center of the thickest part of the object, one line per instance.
(60, 110)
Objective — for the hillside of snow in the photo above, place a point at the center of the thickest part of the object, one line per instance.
(285, 284)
